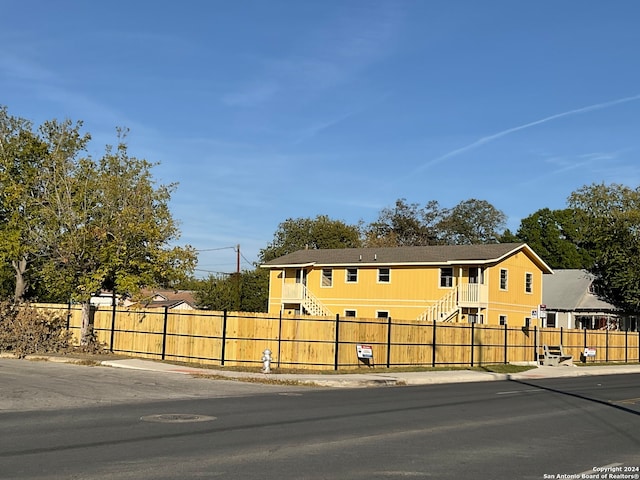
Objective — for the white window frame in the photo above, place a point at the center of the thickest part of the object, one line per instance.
(329, 278)
(528, 282)
(350, 310)
(506, 279)
(385, 312)
(346, 275)
(502, 320)
(388, 275)
(447, 280)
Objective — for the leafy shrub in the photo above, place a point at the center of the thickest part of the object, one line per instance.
(25, 330)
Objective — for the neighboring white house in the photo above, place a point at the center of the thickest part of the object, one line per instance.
(571, 302)
(104, 299)
(160, 298)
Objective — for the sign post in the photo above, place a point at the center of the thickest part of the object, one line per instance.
(542, 315)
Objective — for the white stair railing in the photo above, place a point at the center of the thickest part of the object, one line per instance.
(443, 310)
(312, 305)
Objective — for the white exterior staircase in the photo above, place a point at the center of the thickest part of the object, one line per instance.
(444, 310)
(299, 293)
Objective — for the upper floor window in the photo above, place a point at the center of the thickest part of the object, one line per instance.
(352, 275)
(384, 275)
(446, 277)
(503, 279)
(528, 282)
(327, 277)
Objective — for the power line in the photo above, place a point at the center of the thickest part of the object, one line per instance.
(214, 249)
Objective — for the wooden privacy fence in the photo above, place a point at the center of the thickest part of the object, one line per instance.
(235, 339)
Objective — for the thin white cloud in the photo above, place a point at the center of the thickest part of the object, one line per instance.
(329, 55)
(252, 95)
(490, 138)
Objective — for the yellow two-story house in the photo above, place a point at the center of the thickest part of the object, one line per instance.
(492, 284)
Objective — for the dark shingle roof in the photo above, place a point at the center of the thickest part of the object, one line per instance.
(440, 254)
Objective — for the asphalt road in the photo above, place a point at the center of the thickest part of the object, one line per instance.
(142, 425)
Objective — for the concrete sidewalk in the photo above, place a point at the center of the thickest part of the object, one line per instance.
(354, 380)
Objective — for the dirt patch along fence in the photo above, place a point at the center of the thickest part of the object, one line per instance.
(239, 339)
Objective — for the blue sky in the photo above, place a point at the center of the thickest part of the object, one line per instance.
(272, 109)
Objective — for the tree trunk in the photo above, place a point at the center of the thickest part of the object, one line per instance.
(86, 330)
(20, 266)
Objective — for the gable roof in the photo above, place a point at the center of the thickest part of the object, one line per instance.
(568, 290)
(427, 255)
(167, 298)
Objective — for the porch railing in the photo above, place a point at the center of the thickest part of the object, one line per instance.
(468, 295)
(299, 293)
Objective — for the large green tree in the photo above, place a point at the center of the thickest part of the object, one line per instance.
(404, 224)
(609, 219)
(247, 291)
(554, 234)
(26, 159)
(471, 222)
(108, 226)
(313, 233)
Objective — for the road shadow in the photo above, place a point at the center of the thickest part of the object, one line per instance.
(575, 395)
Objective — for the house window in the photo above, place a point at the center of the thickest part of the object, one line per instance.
(528, 282)
(382, 314)
(503, 279)
(327, 277)
(384, 275)
(446, 277)
(349, 313)
(503, 319)
(476, 318)
(551, 320)
(352, 275)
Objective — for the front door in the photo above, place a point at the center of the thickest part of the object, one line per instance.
(301, 276)
(476, 275)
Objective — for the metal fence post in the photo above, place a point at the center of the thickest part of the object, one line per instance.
(68, 315)
(626, 346)
(388, 342)
(113, 319)
(279, 337)
(337, 342)
(433, 345)
(164, 331)
(224, 336)
(506, 344)
(472, 341)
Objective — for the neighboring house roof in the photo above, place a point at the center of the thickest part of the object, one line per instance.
(569, 290)
(427, 255)
(167, 298)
